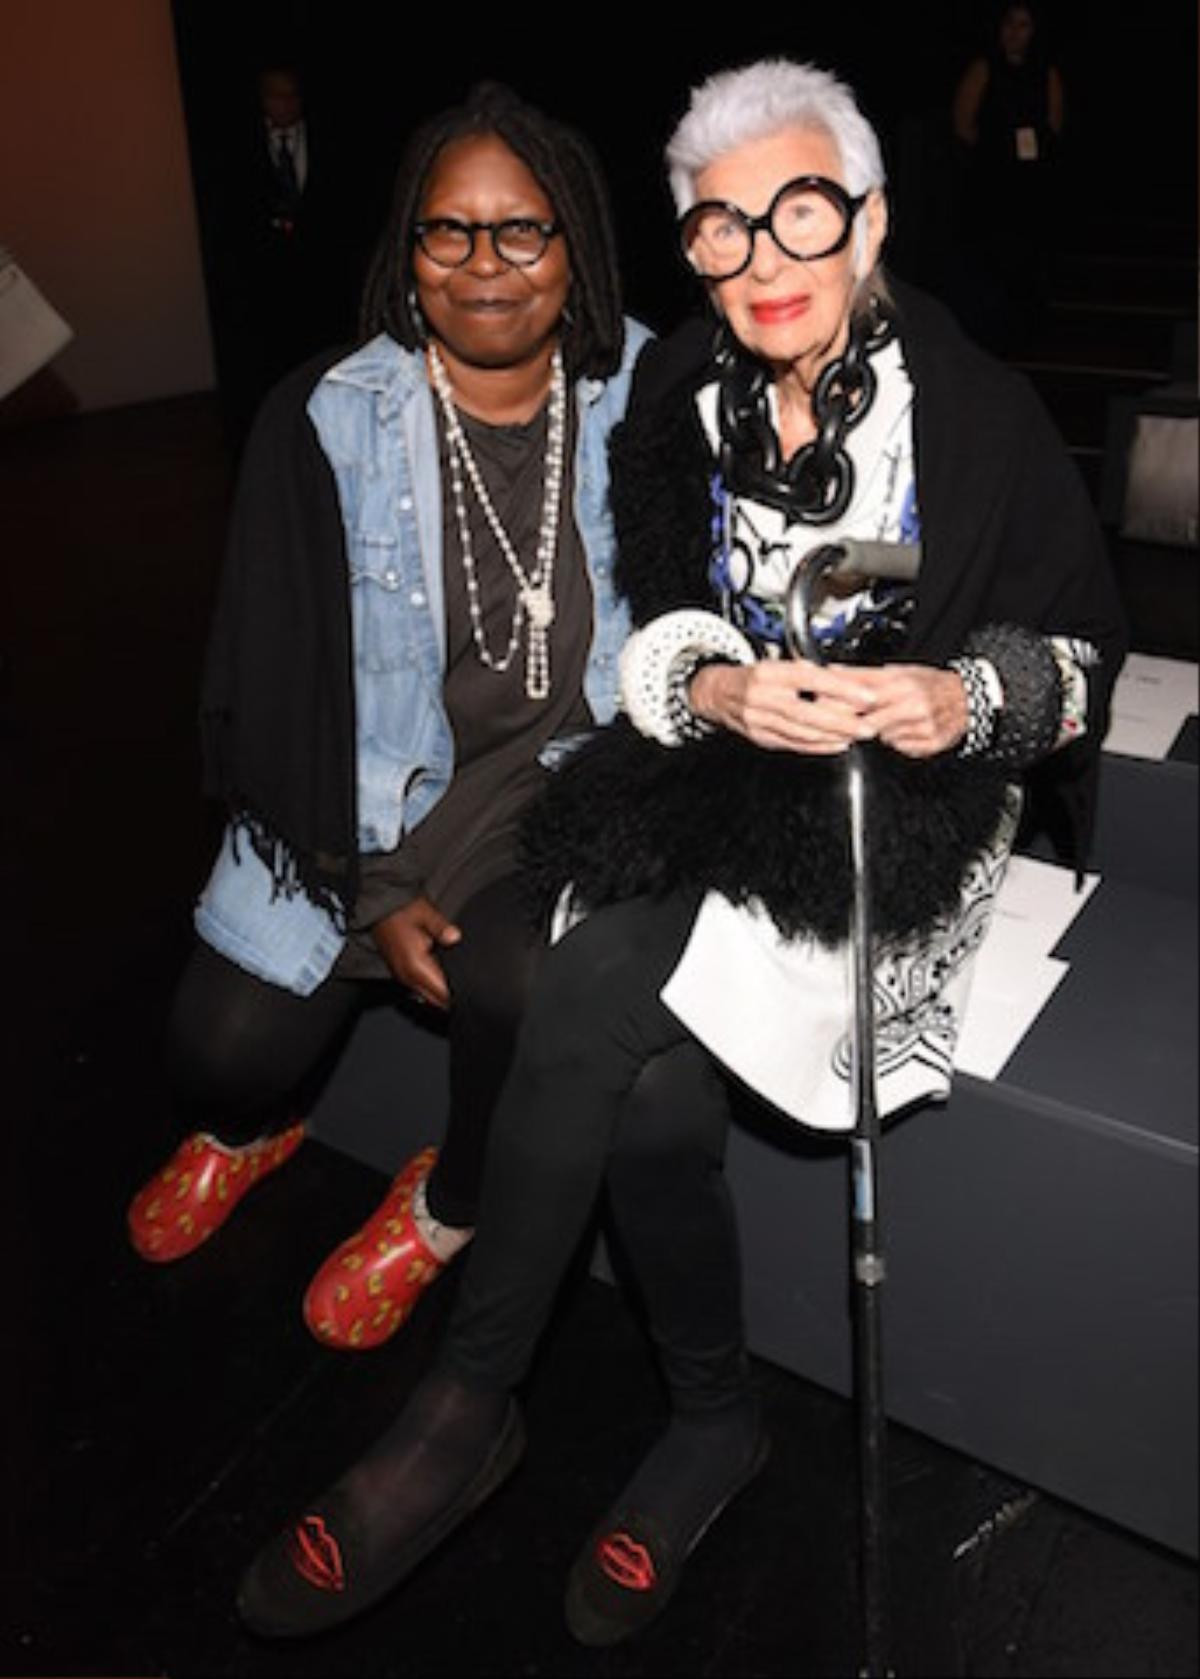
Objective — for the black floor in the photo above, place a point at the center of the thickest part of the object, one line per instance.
(161, 1423)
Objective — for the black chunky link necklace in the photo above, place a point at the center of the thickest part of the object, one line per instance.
(816, 485)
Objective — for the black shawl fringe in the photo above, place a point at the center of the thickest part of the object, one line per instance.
(291, 872)
(626, 817)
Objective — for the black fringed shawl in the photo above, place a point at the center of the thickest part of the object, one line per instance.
(1008, 536)
(277, 705)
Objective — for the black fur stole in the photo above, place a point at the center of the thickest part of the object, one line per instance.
(625, 816)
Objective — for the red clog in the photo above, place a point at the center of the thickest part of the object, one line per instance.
(191, 1197)
(370, 1284)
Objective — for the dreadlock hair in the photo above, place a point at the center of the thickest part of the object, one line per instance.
(569, 172)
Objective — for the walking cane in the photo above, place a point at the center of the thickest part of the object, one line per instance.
(897, 561)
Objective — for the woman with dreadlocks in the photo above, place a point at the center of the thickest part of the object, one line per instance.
(704, 833)
(417, 611)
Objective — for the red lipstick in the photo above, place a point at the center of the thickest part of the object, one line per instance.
(775, 311)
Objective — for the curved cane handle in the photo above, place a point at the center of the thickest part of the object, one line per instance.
(798, 602)
(898, 561)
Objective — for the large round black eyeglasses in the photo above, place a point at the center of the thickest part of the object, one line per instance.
(808, 218)
(520, 240)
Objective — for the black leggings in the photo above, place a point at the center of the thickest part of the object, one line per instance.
(606, 1083)
(239, 1050)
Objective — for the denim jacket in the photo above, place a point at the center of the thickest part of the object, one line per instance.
(374, 418)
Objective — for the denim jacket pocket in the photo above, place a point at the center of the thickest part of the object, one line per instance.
(382, 601)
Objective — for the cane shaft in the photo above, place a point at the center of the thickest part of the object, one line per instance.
(866, 1246)
(872, 1416)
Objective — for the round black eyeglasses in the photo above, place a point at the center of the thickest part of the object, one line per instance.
(520, 240)
(808, 218)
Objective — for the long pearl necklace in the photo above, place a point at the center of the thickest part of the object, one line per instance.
(535, 600)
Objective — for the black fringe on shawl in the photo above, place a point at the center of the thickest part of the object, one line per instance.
(626, 817)
(290, 873)
(331, 883)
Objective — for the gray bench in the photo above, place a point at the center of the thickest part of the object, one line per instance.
(1041, 1305)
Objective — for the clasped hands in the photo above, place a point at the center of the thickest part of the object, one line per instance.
(794, 705)
(789, 705)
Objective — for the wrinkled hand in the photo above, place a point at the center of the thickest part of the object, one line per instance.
(793, 705)
(408, 939)
(916, 709)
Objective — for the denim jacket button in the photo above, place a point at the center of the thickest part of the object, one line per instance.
(391, 578)
(417, 598)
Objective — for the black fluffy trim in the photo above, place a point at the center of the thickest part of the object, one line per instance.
(626, 817)
(663, 510)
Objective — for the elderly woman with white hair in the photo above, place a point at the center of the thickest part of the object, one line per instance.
(695, 851)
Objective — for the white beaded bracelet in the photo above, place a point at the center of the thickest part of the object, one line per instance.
(980, 684)
(684, 721)
(650, 653)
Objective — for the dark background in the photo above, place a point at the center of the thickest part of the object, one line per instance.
(373, 72)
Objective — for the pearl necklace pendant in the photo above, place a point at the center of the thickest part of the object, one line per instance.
(533, 606)
(539, 605)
